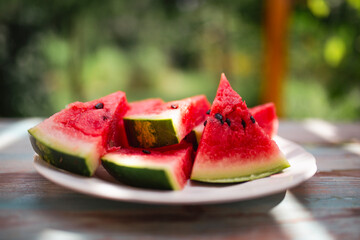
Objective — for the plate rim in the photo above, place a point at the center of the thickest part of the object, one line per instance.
(45, 169)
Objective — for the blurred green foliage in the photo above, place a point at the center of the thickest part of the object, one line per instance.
(53, 53)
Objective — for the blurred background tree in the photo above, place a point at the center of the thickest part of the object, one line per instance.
(53, 53)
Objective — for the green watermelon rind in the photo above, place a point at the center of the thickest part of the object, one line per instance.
(159, 132)
(63, 157)
(154, 177)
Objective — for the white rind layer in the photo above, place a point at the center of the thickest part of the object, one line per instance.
(231, 170)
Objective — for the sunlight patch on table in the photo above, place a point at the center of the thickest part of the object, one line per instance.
(54, 234)
(297, 222)
(321, 128)
(353, 148)
(16, 131)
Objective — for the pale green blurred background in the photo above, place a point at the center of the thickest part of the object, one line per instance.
(56, 52)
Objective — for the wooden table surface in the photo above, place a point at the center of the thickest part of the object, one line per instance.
(325, 207)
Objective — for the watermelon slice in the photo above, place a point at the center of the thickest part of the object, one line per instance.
(75, 138)
(266, 117)
(233, 147)
(165, 168)
(136, 108)
(165, 124)
(264, 114)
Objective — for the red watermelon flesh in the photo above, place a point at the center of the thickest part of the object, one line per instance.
(81, 132)
(136, 108)
(145, 105)
(266, 117)
(160, 168)
(93, 120)
(233, 147)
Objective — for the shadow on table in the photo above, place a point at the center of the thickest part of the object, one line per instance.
(110, 218)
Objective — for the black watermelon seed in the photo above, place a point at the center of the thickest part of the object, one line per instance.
(252, 119)
(146, 151)
(222, 122)
(243, 123)
(205, 122)
(218, 116)
(105, 118)
(208, 112)
(99, 106)
(173, 106)
(228, 122)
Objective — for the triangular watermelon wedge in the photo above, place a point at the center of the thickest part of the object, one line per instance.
(75, 138)
(233, 147)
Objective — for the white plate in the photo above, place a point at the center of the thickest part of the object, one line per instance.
(303, 167)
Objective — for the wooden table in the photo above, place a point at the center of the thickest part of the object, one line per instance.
(325, 207)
